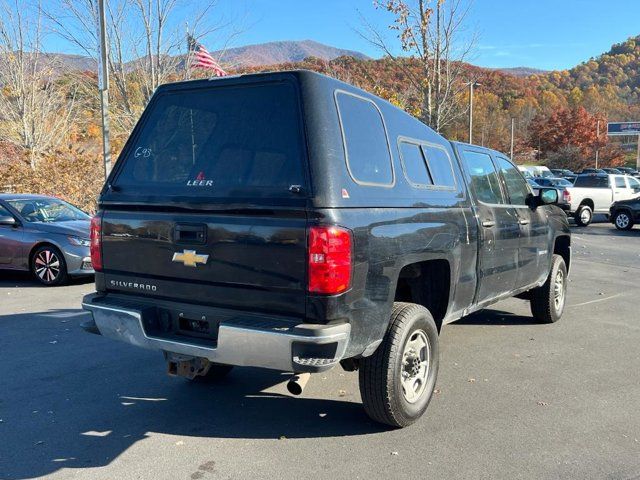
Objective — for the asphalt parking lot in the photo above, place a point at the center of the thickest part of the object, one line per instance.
(514, 399)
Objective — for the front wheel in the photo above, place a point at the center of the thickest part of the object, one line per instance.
(397, 381)
(547, 301)
(583, 215)
(623, 221)
(48, 266)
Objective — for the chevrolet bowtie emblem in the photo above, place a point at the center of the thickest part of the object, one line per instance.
(190, 258)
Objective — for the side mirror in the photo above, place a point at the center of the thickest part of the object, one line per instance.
(7, 220)
(548, 196)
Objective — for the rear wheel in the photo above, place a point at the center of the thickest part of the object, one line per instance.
(622, 220)
(547, 301)
(583, 215)
(397, 381)
(48, 266)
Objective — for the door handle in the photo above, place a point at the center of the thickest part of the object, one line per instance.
(488, 223)
(523, 221)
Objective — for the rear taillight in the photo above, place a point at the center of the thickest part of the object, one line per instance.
(96, 242)
(566, 195)
(329, 260)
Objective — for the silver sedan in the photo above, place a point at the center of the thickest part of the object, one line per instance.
(44, 235)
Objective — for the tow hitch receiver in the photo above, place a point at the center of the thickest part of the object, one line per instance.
(186, 366)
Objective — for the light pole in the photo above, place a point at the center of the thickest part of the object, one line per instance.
(597, 141)
(513, 125)
(103, 86)
(471, 86)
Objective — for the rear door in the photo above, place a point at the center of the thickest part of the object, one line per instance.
(208, 203)
(499, 228)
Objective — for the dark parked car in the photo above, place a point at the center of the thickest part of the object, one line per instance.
(592, 170)
(630, 171)
(45, 235)
(564, 173)
(613, 171)
(294, 222)
(561, 172)
(561, 184)
(624, 214)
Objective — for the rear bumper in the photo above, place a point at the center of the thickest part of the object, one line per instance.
(294, 348)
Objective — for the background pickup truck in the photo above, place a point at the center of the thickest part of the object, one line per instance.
(294, 222)
(594, 193)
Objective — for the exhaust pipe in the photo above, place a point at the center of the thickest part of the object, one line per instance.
(297, 382)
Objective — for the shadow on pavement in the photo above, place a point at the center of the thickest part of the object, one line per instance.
(605, 232)
(495, 317)
(16, 279)
(69, 399)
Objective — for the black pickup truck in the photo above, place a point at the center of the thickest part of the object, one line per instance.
(293, 222)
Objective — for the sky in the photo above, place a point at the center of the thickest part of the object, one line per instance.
(544, 34)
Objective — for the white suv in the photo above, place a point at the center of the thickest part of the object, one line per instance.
(594, 193)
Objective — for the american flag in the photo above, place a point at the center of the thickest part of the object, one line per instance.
(203, 59)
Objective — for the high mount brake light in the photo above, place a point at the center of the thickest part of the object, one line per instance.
(329, 260)
(95, 246)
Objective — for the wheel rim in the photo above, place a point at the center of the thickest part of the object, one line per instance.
(585, 216)
(415, 366)
(622, 220)
(559, 288)
(47, 265)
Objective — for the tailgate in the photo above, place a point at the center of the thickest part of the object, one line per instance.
(207, 202)
(251, 261)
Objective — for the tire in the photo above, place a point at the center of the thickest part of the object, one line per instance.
(48, 266)
(387, 398)
(548, 301)
(623, 220)
(216, 372)
(583, 216)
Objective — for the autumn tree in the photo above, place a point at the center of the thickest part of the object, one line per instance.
(36, 108)
(568, 130)
(430, 31)
(147, 43)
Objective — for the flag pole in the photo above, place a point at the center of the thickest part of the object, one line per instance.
(103, 86)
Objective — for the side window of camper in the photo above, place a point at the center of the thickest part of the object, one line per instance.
(415, 165)
(439, 166)
(365, 140)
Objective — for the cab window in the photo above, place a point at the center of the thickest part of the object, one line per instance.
(592, 181)
(517, 187)
(485, 183)
(620, 183)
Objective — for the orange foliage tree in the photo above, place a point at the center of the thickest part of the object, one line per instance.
(571, 130)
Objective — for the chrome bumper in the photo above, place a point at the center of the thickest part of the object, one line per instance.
(236, 345)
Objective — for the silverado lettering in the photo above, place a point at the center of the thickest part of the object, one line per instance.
(134, 285)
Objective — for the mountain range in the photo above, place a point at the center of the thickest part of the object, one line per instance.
(264, 54)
